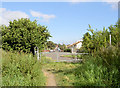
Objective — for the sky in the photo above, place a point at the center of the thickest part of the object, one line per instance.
(67, 22)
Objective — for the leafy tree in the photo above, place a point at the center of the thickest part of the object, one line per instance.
(86, 41)
(51, 45)
(62, 46)
(96, 40)
(115, 34)
(100, 39)
(24, 35)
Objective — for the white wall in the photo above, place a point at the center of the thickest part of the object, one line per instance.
(79, 45)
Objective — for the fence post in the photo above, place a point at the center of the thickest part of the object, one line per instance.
(72, 50)
(57, 56)
(110, 39)
(36, 51)
(40, 56)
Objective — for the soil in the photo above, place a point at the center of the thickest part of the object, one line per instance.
(50, 78)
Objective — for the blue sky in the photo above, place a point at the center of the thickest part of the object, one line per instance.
(66, 21)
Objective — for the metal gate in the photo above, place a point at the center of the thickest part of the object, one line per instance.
(59, 56)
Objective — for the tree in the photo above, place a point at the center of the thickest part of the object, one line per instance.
(24, 35)
(100, 39)
(86, 41)
(51, 45)
(62, 46)
(95, 41)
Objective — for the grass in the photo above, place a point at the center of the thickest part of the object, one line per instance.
(62, 71)
(0, 68)
(72, 56)
(21, 69)
(91, 72)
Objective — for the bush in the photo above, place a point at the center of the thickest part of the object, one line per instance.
(93, 73)
(111, 56)
(79, 56)
(67, 50)
(20, 69)
(24, 35)
(82, 50)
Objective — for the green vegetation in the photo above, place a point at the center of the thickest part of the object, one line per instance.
(21, 69)
(51, 45)
(67, 50)
(96, 40)
(90, 72)
(62, 46)
(73, 56)
(70, 56)
(19, 66)
(24, 35)
(100, 68)
(63, 72)
(94, 73)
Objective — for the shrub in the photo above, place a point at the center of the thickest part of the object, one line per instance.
(79, 56)
(111, 56)
(24, 35)
(93, 73)
(82, 50)
(20, 69)
(67, 50)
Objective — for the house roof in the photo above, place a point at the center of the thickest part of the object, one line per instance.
(73, 44)
(57, 47)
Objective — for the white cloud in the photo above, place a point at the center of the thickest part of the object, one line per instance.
(113, 3)
(59, 0)
(41, 16)
(93, 0)
(75, 1)
(7, 15)
(110, 0)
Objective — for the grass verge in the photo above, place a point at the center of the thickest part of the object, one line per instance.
(20, 69)
(62, 72)
(91, 72)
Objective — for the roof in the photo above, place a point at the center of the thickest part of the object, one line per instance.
(57, 47)
(73, 44)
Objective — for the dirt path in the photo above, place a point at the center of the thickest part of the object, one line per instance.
(50, 78)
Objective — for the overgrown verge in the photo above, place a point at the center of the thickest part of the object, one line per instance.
(21, 69)
(95, 72)
(102, 69)
(63, 72)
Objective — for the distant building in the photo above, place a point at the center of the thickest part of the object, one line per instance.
(75, 46)
(57, 48)
(46, 51)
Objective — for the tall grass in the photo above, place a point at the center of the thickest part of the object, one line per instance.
(20, 69)
(93, 73)
(101, 70)
(0, 68)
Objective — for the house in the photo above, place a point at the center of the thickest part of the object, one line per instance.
(57, 48)
(75, 46)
